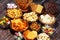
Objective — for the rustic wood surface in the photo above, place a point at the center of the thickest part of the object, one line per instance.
(6, 34)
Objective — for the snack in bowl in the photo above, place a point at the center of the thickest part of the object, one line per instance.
(30, 16)
(23, 4)
(43, 36)
(36, 8)
(4, 22)
(47, 29)
(13, 12)
(35, 26)
(30, 34)
(19, 25)
(47, 19)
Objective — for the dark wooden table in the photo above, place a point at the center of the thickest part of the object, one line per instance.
(6, 34)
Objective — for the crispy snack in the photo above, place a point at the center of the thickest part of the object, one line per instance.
(43, 36)
(25, 34)
(47, 19)
(36, 8)
(30, 16)
(14, 13)
(30, 34)
(23, 4)
(19, 25)
(35, 26)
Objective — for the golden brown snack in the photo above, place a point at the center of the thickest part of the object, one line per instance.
(30, 35)
(19, 25)
(14, 13)
(36, 8)
(23, 4)
(25, 34)
(47, 19)
(35, 26)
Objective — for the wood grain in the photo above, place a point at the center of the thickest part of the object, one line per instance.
(6, 34)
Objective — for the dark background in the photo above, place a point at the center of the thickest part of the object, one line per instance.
(6, 34)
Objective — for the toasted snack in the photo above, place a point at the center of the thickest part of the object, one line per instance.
(23, 4)
(35, 26)
(19, 25)
(30, 34)
(43, 36)
(30, 16)
(36, 7)
(14, 13)
(47, 19)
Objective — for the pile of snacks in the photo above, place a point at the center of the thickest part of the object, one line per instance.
(43, 36)
(19, 25)
(4, 22)
(12, 12)
(47, 19)
(28, 24)
(23, 4)
(36, 8)
(32, 16)
(47, 29)
(35, 26)
(30, 35)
